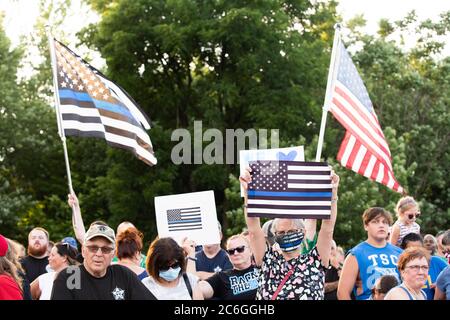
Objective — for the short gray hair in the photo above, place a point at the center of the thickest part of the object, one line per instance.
(446, 238)
(298, 223)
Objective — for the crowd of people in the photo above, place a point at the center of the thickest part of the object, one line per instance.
(282, 259)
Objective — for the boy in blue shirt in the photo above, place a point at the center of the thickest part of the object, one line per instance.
(370, 259)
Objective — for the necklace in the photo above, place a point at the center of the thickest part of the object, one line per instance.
(416, 296)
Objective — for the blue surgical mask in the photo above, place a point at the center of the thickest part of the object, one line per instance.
(170, 274)
(290, 242)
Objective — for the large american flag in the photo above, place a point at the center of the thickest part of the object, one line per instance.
(364, 148)
(183, 219)
(93, 106)
(289, 189)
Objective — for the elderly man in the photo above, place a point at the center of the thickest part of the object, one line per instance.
(35, 263)
(97, 279)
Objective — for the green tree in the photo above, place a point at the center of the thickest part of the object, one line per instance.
(231, 64)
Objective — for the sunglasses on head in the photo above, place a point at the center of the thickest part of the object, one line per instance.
(238, 249)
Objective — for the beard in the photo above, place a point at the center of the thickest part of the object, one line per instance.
(37, 252)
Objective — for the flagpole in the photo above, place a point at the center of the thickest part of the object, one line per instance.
(58, 114)
(331, 76)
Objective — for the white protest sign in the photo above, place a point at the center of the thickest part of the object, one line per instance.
(291, 154)
(191, 215)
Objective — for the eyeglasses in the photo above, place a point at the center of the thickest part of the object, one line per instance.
(105, 250)
(416, 268)
(412, 215)
(283, 233)
(173, 266)
(238, 249)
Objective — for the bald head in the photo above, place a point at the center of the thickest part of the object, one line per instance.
(124, 226)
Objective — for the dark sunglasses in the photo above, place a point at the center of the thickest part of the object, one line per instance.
(411, 216)
(104, 250)
(173, 266)
(238, 249)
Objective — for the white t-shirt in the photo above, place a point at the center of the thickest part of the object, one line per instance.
(46, 285)
(179, 292)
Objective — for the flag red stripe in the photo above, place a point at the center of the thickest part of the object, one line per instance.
(376, 167)
(343, 146)
(386, 176)
(364, 163)
(353, 154)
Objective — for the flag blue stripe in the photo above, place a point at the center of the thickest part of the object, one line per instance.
(185, 221)
(253, 193)
(81, 96)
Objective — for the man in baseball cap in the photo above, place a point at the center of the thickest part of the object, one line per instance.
(97, 230)
(98, 279)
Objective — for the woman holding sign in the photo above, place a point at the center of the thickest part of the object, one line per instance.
(286, 273)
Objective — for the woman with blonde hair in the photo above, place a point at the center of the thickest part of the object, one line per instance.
(407, 212)
(239, 283)
(13, 255)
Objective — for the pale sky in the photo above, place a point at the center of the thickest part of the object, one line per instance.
(374, 10)
(20, 15)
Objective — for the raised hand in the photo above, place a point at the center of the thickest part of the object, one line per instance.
(246, 178)
(72, 200)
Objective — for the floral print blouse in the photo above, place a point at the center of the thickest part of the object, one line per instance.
(306, 283)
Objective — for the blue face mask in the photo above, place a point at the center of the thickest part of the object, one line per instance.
(170, 274)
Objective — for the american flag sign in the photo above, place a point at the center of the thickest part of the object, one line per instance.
(92, 106)
(364, 148)
(289, 189)
(184, 219)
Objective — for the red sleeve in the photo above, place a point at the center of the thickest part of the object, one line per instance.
(9, 289)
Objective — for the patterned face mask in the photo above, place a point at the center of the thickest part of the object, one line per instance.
(291, 241)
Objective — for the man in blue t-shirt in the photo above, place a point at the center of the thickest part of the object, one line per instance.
(370, 259)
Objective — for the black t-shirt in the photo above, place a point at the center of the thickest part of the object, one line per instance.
(331, 275)
(119, 283)
(235, 284)
(34, 267)
(25, 286)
